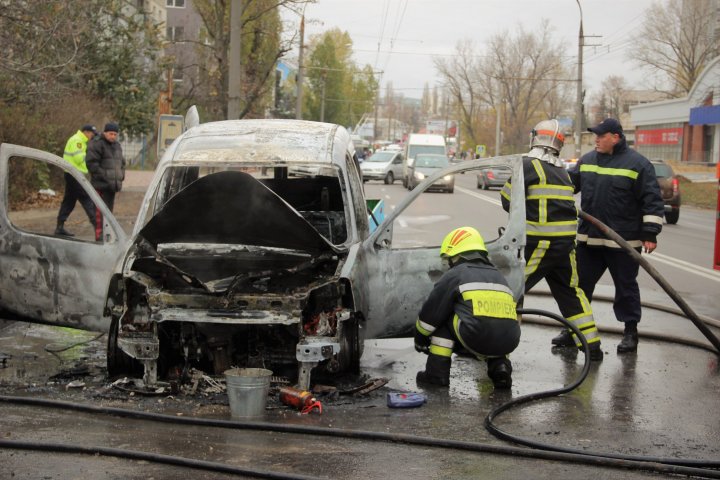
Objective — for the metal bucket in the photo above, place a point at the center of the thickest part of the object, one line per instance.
(247, 391)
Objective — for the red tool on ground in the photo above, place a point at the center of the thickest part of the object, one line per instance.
(300, 399)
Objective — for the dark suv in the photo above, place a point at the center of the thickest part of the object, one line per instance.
(669, 189)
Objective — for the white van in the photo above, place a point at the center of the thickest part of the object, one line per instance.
(421, 143)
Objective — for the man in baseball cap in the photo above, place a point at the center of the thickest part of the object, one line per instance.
(618, 187)
(609, 125)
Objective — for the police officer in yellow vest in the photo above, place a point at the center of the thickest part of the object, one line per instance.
(551, 228)
(75, 155)
(470, 308)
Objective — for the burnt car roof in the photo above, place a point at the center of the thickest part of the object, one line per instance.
(260, 141)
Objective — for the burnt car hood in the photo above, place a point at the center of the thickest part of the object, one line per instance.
(233, 208)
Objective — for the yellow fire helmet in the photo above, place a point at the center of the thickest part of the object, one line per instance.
(463, 239)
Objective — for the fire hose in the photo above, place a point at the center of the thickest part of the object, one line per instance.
(689, 467)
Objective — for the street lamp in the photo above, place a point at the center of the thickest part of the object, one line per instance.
(298, 86)
(578, 104)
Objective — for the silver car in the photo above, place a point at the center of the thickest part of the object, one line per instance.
(427, 164)
(231, 262)
(385, 165)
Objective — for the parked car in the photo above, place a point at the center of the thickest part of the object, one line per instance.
(383, 165)
(426, 164)
(669, 189)
(231, 262)
(493, 177)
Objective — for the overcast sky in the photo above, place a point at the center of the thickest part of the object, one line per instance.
(411, 32)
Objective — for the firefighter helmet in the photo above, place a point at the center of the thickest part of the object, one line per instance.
(461, 240)
(547, 134)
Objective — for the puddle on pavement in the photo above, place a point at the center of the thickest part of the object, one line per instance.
(32, 354)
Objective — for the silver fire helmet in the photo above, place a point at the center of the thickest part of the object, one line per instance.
(547, 134)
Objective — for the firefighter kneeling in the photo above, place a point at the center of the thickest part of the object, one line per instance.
(470, 308)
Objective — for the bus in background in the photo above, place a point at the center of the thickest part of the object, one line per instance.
(421, 143)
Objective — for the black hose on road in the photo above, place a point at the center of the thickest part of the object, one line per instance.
(611, 234)
(586, 458)
(149, 457)
(492, 428)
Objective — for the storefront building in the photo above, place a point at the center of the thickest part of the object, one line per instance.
(684, 129)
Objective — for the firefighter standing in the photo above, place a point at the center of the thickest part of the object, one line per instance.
(551, 229)
(74, 154)
(619, 188)
(470, 307)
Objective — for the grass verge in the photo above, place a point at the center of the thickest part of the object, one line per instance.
(699, 194)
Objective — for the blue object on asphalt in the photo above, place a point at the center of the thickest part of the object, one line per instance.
(405, 400)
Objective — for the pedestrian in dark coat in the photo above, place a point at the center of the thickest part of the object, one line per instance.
(106, 165)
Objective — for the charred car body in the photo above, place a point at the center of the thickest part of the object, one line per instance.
(233, 262)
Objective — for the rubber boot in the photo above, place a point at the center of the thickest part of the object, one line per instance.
(500, 372)
(596, 353)
(60, 230)
(629, 341)
(564, 339)
(437, 371)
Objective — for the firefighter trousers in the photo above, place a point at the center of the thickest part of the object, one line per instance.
(554, 260)
(594, 261)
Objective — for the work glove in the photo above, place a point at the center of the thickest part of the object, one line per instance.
(422, 343)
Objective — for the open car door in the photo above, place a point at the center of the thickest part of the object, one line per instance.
(400, 279)
(45, 277)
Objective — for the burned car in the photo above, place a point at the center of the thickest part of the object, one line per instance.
(234, 262)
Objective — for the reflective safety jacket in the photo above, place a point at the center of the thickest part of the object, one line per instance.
(549, 204)
(75, 149)
(477, 295)
(620, 190)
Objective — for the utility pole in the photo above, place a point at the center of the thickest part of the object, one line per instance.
(579, 99)
(234, 64)
(298, 86)
(498, 118)
(322, 101)
(579, 117)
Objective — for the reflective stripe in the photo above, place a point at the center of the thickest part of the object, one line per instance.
(442, 342)
(72, 154)
(491, 304)
(484, 286)
(652, 219)
(591, 334)
(582, 320)
(550, 193)
(574, 282)
(555, 229)
(456, 328)
(620, 172)
(440, 351)
(424, 328)
(539, 170)
(552, 189)
(542, 180)
(602, 242)
(536, 257)
(506, 191)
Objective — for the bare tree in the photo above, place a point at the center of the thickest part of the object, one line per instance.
(678, 39)
(461, 74)
(520, 72)
(611, 98)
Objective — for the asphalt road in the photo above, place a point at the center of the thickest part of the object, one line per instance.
(684, 254)
(660, 402)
